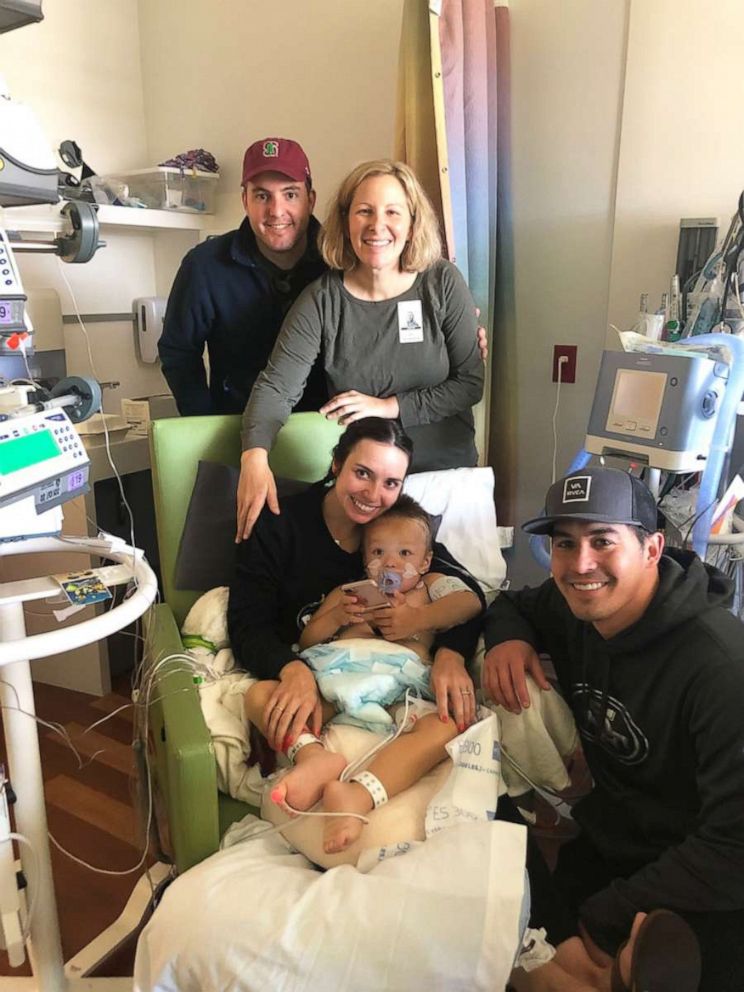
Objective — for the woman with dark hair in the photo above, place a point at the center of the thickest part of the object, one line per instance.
(393, 324)
(295, 558)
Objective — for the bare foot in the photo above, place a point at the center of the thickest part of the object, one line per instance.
(302, 786)
(344, 797)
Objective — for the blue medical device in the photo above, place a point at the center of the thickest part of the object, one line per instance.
(659, 409)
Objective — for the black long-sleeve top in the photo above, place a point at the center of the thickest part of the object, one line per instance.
(659, 709)
(283, 571)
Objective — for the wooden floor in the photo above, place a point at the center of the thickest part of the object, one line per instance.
(91, 812)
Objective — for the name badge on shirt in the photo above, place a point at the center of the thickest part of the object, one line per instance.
(410, 322)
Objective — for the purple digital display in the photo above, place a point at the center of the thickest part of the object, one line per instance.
(75, 481)
(6, 313)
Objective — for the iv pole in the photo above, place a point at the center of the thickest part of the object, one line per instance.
(22, 741)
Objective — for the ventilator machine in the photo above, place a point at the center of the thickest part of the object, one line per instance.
(671, 406)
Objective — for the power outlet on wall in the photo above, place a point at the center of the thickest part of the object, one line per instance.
(568, 366)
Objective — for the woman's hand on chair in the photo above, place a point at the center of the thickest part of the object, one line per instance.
(351, 405)
(256, 486)
(454, 689)
(294, 704)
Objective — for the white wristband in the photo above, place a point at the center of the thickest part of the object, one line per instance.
(374, 787)
(301, 741)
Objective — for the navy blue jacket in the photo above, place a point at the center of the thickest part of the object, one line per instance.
(228, 297)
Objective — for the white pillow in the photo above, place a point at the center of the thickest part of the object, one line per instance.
(464, 498)
(400, 819)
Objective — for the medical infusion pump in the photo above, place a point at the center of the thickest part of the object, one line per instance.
(42, 465)
(659, 409)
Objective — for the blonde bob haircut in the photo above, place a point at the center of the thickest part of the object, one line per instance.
(424, 246)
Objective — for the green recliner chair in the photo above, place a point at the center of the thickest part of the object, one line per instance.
(192, 815)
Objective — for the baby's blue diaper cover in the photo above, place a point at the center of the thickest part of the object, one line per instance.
(364, 675)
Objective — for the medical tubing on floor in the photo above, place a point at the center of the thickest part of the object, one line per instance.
(708, 493)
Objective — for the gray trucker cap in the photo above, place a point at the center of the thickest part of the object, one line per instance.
(605, 495)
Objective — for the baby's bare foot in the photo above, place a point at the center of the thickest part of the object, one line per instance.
(302, 786)
(344, 797)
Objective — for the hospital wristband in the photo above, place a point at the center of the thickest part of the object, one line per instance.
(374, 787)
(301, 742)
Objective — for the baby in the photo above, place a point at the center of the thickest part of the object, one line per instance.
(397, 554)
(397, 550)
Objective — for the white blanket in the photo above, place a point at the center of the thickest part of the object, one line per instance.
(257, 918)
(444, 914)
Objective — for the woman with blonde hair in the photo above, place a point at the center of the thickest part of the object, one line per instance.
(394, 325)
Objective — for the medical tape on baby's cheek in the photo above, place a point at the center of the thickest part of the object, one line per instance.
(374, 568)
(445, 585)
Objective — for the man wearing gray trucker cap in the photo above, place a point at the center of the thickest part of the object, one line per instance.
(652, 665)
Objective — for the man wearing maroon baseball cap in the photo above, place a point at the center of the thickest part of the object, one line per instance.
(276, 155)
(231, 292)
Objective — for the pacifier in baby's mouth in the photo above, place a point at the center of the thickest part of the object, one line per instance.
(389, 581)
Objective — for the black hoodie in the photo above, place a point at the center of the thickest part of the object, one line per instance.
(667, 806)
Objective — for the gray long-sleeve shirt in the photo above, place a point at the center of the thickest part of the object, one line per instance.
(419, 347)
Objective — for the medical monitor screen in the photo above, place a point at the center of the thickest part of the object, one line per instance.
(6, 313)
(30, 449)
(636, 402)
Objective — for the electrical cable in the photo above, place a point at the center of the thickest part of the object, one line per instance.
(107, 440)
(351, 768)
(22, 839)
(57, 728)
(562, 360)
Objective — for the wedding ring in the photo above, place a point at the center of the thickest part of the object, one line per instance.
(466, 692)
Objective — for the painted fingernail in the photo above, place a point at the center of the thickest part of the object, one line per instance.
(461, 727)
(443, 719)
(287, 742)
(276, 796)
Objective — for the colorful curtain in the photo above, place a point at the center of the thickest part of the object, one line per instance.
(451, 128)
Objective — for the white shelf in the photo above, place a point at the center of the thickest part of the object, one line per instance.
(45, 218)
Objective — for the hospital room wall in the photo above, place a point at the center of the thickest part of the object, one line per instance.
(567, 64)
(624, 119)
(79, 71)
(320, 71)
(682, 143)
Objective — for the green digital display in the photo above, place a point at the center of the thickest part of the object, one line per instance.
(20, 452)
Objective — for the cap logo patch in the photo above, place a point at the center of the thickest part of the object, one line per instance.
(577, 489)
(271, 149)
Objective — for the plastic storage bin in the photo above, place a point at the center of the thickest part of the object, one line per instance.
(165, 188)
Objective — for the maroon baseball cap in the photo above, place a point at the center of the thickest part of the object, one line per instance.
(276, 155)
